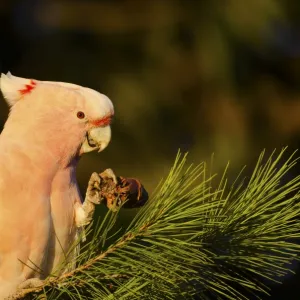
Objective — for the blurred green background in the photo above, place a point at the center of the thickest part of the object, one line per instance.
(203, 76)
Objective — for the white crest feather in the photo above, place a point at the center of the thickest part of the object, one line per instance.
(11, 86)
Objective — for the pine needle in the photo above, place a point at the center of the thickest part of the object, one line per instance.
(192, 239)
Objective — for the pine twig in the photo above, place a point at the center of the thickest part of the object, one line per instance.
(60, 279)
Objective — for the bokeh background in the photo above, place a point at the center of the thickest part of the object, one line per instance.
(214, 76)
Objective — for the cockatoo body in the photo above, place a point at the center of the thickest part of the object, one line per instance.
(51, 124)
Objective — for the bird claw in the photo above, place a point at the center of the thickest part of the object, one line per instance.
(30, 283)
(93, 193)
(109, 174)
(93, 196)
(93, 190)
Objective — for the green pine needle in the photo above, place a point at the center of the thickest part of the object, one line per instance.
(195, 236)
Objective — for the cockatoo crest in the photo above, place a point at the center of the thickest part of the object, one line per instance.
(14, 88)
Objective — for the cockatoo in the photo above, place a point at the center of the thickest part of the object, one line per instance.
(50, 125)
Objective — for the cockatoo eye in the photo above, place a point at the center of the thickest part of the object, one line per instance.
(80, 115)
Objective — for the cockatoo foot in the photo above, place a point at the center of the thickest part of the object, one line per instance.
(109, 174)
(30, 283)
(93, 190)
(84, 214)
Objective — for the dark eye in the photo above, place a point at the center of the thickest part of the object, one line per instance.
(80, 115)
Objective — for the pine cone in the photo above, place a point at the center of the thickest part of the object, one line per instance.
(127, 191)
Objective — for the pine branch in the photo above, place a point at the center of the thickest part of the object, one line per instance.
(80, 269)
(193, 239)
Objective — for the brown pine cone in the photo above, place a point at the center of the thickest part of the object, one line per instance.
(127, 191)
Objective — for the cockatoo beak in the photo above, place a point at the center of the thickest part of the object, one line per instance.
(96, 139)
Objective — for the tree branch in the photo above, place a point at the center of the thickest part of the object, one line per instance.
(60, 279)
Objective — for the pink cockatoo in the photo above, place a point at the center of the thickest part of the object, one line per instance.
(50, 125)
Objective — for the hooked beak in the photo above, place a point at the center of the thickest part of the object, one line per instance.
(96, 139)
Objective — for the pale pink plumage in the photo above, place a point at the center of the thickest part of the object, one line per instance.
(39, 150)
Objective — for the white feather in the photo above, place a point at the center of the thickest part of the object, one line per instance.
(11, 85)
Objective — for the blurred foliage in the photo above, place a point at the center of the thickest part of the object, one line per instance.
(205, 76)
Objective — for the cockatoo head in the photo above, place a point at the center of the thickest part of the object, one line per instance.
(67, 117)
